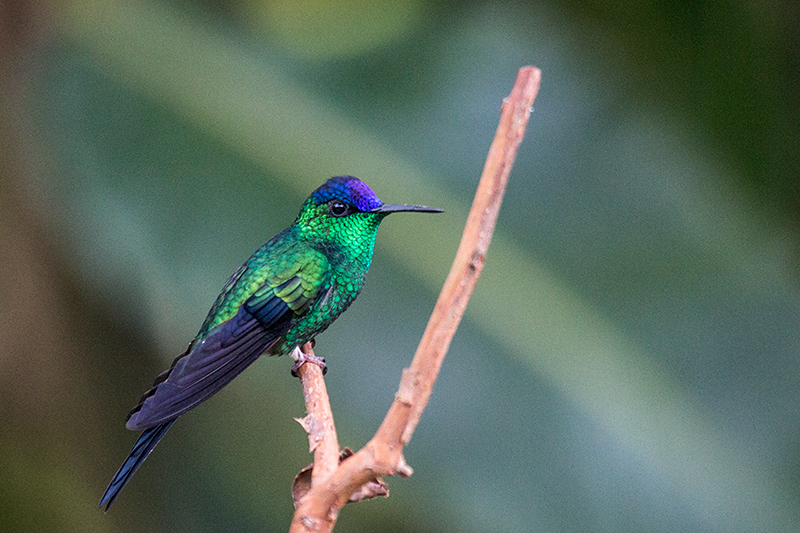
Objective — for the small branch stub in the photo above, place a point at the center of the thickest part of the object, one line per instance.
(315, 430)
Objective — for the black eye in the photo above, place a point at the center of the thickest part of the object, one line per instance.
(338, 208)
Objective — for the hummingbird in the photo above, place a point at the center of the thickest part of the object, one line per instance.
(289, 291)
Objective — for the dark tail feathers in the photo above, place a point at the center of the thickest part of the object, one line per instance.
(147, 441)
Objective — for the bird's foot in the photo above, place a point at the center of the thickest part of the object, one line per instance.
(301, 358)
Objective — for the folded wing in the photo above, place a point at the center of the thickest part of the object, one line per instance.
(230, 347)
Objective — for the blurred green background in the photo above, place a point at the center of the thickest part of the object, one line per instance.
(630, 360)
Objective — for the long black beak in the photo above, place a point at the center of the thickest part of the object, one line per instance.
(396, 208)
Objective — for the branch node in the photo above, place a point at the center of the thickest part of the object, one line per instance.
(333, 514)
(402, 468)
(370, 489)
(476, 261)
(408, 385)
(315, 429)
(310, 523)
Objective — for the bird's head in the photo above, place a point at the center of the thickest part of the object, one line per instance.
(345, 209)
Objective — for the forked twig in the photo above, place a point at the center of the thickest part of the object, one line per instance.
(332, 483)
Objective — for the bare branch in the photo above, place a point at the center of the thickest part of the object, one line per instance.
(318, 422)
(383, 455)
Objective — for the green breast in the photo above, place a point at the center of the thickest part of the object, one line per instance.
(345, 282)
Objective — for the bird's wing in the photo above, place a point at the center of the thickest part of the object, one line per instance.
(230, 347)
